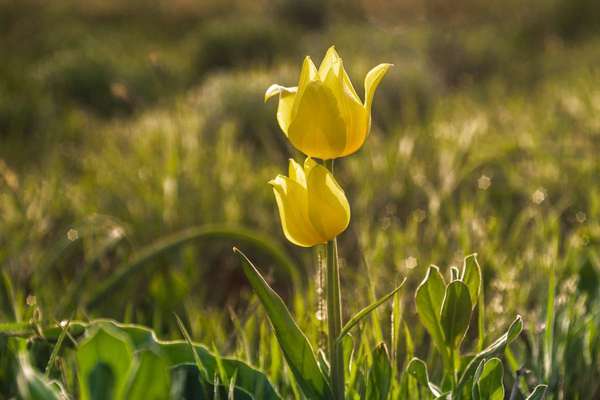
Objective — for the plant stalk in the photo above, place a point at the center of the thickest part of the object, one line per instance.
(334, 315)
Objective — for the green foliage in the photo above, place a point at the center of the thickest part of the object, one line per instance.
(294, 344)
(488, 380)
(104, 359)
(116, 137)
(380, 375)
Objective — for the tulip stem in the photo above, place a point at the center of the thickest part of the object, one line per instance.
(334, 315)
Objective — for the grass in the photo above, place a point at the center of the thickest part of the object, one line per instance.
(116, 136)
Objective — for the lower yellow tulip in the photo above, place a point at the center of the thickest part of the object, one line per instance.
(312, 206)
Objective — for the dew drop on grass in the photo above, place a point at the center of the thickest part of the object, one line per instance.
(484, 182)
(410, 262)
(72, 234)
(538, 196)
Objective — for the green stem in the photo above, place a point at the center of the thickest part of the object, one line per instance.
(334, 315)
(452, 365)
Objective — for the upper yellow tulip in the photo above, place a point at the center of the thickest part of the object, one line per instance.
(323, 117)
(312, 206)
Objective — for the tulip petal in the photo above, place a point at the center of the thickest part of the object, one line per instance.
(308, 164)
(328, 208)
(276, 89)
(317, 128)
(351, 109)
(308, 73)
(331, 58)
(329, 61)
(372, 80)
(292, 202)
(287, 96)
(296, 173)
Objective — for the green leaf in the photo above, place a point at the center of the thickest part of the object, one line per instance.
(418, 369)
(33, 385)
(356, 318)
(380, 374)
(7, 297)
(179, 352)
(549, 330)
(101, 382)
(471, 276)
(513, 332)
(140, 262)
(456, 313)
(489, 380)
(151, 379)
(295, 346)
(103, 348)
(538, 393)
(429, 298)
(348, 348)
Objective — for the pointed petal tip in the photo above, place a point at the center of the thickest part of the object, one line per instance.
(277, 181)
(271, 91)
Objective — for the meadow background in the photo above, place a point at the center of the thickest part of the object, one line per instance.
(135, 148)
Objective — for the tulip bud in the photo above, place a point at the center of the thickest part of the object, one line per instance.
(323, 117)
(312, 206)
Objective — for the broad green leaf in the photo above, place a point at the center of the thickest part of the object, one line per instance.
(418, 369)
(429, 298)
(295, 346)
(150, 379)
(186, 385)
(380, 374)
(538, 393)
(101, 382)
(471, 276)
(33, 385)
(356, 318)
(489, 382)
(179, 352)
(107, 347)
(474, 387)
(456, 313)
(513, 332)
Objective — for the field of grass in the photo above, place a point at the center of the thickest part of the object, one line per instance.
(135, 151)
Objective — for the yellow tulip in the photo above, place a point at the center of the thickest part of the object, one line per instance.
(323, 117)
(312, 206)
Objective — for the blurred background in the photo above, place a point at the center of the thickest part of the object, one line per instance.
(123, 124)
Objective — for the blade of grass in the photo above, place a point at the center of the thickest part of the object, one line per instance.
(365, 311)
(549, 331)
(57, 346)
(197, 361)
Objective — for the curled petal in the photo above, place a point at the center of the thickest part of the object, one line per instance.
(286, 104)
(372, 80)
